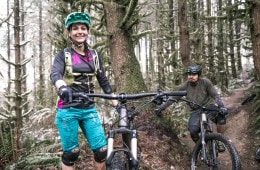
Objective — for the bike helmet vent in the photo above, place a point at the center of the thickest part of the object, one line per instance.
(194, 69)
(77, 17)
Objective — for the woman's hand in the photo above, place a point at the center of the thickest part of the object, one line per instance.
(114, 103)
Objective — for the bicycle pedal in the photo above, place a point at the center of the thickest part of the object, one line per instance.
(221, 148)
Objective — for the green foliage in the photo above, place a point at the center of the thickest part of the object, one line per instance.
(236, 83)
(6, 148)
(176, 119)
(255, 108)
(38, 160)
(40, 149)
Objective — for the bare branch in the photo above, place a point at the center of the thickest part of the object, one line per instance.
(3, 114)
(141, 34)
(25, 61)
(26, 93)
(24, 43)
(24, 104)
(7, 61)
(99, 33)
(6, 19)
(27, 113)
(129, 12)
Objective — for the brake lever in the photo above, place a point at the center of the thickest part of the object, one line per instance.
(174, 100)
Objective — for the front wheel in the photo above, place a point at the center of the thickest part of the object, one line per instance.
(213, 159)
(119, 161)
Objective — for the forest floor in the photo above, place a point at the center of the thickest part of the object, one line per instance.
(161, 150)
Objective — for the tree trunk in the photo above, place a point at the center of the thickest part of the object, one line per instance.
(128, 77)
(212, 76)
(18, 78)
(231, 42)
(8, 56)
(184, 32)
(41, 60)
(220, 48)
(159, 49)
(23, 56)
(255, 34)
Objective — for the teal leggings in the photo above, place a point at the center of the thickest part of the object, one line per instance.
(68, 120)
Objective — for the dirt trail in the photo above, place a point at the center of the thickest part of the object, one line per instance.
(237, 129)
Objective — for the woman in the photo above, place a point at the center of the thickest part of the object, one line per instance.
(73, 70)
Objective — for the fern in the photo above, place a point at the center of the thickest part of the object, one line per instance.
(255, 108)
(6, 149)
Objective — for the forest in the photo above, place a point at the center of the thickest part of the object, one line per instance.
(145, 45)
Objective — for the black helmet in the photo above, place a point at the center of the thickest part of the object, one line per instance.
(194, 69)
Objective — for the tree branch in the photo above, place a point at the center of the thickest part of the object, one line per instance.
(6, 19)
(7, 61)
(129, 12)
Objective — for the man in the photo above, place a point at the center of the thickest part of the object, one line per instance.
(201, 91)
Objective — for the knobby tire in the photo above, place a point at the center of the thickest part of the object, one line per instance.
(228, 159)
(120, 161)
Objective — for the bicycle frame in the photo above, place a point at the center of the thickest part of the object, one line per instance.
(206, 127)
(125, 123)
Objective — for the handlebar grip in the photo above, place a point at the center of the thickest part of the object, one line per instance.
(83, 95)
(176, 93)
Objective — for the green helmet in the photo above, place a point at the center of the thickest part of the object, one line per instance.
(77, 17)
(194, 69)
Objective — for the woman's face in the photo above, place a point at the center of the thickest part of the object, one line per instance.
(78, 32)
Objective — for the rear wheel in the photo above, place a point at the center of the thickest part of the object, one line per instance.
(229, 159)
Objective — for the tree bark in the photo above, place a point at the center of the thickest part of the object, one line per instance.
(126, 69)
(255, 34)
(18, 78)
(184, 33)
(41, 60)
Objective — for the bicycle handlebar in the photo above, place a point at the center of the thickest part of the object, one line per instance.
(125, 96)
(223, 111)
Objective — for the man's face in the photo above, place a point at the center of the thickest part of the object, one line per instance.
(193, 77)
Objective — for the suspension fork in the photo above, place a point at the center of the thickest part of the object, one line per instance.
(203, 123)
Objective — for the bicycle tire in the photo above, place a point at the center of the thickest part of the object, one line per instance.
(120, 161)
(227, 160)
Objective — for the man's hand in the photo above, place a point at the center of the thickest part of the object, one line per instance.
(158, 112)
(65, 93)
(223, 111)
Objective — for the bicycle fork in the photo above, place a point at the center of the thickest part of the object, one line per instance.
(212, 146)
(129, 138)
(132, 153)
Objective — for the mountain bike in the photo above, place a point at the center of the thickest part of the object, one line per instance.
(206, 154)
(126, 156)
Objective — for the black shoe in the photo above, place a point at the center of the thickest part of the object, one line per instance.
(221, 147)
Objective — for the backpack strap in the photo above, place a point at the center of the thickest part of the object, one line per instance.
(68, 62)
(96, 61)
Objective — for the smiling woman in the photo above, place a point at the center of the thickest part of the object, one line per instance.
(77, 25)
(78, 34)
(74, 70)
